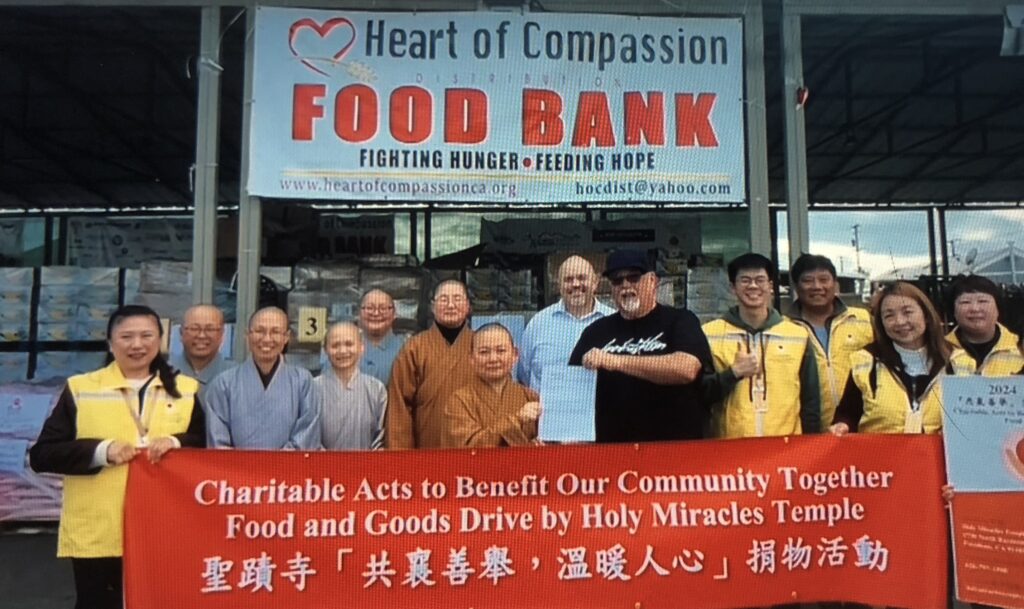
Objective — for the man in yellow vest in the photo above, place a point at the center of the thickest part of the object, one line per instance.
(766, 376)
(978, 331)
(838, 331)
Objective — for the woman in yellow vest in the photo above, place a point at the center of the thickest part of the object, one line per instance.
(893, 384)
(102, 421)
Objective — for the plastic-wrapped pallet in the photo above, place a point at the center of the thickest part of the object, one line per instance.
(24, 494)
(13, 367)
(62, 364)
(324, 276)
(500, 289)
(707, 293)
(15, 303)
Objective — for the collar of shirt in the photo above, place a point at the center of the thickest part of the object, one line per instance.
(595, 311)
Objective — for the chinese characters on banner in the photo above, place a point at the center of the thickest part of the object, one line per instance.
(984, 436)
(684, 525)
(496, 106)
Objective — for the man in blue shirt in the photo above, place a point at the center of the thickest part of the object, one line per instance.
(553, 332)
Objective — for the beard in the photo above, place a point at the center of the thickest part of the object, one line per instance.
(629, 304)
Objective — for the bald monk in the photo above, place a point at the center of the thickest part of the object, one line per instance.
(430, 367)
(202, 332)
(492, 410)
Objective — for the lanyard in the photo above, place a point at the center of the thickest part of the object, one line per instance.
(134, 410)
(758, 386)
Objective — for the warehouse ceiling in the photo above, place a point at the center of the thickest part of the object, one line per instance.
(97, 106)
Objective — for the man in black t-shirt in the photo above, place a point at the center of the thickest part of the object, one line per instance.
(649, 360)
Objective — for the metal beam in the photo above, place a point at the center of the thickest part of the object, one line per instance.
(796, 138)
(757, 130)
(204, 222)
(895, 7)
(250, 217)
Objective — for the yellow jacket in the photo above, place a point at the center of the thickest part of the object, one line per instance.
(887, 401)
(790, 387)
(1003, 360)
(849, 330)
(92, 516)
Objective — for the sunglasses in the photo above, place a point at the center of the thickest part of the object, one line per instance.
(632, 278)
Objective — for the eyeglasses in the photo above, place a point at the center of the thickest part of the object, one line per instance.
(273, 333)
(749, 281)
(377, 308)
(198, 330)
(632, 278)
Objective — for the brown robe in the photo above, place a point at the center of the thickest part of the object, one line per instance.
(426, 372)
(480, 416)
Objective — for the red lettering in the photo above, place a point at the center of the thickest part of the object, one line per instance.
(693, 120)
(542, 118)
(645, 118)
(355, 113)
(593, 121)
(412, 114)
(465, 116)
(305, 110)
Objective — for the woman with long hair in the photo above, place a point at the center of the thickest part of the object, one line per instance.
(893, 384)
(104, 419)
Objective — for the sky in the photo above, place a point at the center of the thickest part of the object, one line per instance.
(899, 239)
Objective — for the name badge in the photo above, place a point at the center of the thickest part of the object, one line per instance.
(914, 422)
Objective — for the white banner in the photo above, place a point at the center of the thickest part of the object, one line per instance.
(495, 106)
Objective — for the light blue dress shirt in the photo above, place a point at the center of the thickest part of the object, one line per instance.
(550, 338)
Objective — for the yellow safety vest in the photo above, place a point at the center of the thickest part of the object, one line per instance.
(887, 405)
(782, 347)
(92, 516)
(1003, 360)
(849, 332)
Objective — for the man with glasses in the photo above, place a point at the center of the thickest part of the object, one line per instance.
(838, 331)
(264, 402)
(649, 360)
(202, 333)
(766, 374)
(431, 366)
(377, 320)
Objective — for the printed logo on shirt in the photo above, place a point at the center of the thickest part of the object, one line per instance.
(635, 346)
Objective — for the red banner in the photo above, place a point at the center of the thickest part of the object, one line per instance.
(711, 524)
(989, 543)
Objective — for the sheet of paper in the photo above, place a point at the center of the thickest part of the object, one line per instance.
(567, 404)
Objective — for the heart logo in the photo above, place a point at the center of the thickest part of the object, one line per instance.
(329, 37)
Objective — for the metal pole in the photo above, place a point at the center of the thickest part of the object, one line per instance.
(204, 222)
(796, 138)
(945, 244)
(933, 264)
(757, 130)
(250, 218)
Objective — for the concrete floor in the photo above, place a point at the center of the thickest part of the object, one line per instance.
(31, 576)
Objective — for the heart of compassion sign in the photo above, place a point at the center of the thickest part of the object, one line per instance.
(497, 107)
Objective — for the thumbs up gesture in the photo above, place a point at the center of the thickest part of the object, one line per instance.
(746, 364)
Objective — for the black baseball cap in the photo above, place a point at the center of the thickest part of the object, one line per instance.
(621, 260)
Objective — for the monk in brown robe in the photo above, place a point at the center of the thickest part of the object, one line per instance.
(492, 410)
(430, 367)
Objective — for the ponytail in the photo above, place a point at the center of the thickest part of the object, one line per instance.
(168, 375)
